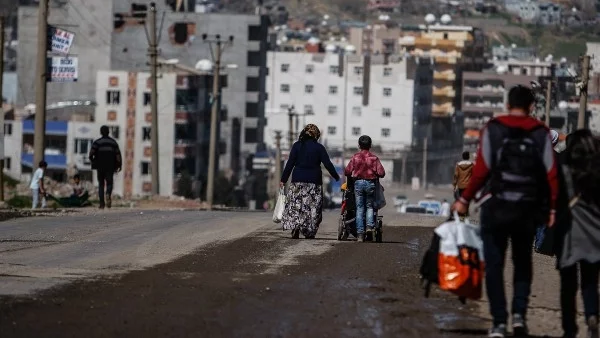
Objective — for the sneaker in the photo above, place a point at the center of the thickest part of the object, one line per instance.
(592, 324)
(101, 206)
(108, 202)
(519, 326)
(498, 331)
(360, 238)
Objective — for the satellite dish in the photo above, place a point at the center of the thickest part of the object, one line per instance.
(501, 69)
(563, 60)
(343, 39)
(446, 19)
(574, 10)
(514, 45)
(313, 41)
(325, 17)
(430, 18)
(563, 105)
(324, 23)
(204, 65)
(330, 48)
(549, 58)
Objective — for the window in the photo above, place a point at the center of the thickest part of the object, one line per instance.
(358, 90)
(147, 99)
(113, 97)
(284, 107)
(8, 129)
(251, 109)
(334, 69)
(145, 168)
(387, 91)
(356, 131)
(7, 163)
(146, 135)
(331, 130)
(358, 70)
(83, 145)
(285, 67)
(254, 59)
(255, 33)
(252, 84)
(332, 110)
(285, 88)
(385, 132)
(386, 112)
(308, 109)
(310, 69)
(387, 71)
(114, 131)
(251, 135)
(181, 32)
(445, 36)
(308, 89)
(333, 90)
(356, 111)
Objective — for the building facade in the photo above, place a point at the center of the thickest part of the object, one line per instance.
(112, 35)
(345, 95)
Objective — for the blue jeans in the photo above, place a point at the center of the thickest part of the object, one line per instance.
(35, 194)
(495, 242)
(364, 191)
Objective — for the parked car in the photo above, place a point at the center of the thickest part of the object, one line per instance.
(412, 209)
(431, 205)
(400, 200)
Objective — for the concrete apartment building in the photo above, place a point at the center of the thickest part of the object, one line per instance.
(110, 36)
(345, 95)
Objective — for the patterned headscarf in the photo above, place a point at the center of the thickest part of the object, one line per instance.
(312, 131)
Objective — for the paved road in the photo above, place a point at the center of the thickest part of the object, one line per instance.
(201, 274)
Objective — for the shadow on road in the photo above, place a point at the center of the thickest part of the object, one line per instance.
(482, 332)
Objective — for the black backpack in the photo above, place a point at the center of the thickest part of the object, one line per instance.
(518, 177)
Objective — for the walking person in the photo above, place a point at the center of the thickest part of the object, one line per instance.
(517, 169)
(462, 174)
(303, 211)
(578, 232)
(105, 156)
(365, 169)
(37, 186)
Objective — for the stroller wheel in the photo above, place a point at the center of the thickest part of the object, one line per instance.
(342, 232)
(378, 236)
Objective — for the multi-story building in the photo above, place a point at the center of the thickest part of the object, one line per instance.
(112, 35)
(514, 53)
(345, 95)
(484, 96)
(534, 11)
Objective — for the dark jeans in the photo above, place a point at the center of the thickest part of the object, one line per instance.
(495, 243)
(568, 294)
(105, 177)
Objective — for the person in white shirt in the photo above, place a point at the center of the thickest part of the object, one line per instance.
(445, 210)
(37, 185)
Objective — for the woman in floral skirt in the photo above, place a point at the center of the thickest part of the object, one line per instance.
(304, 207)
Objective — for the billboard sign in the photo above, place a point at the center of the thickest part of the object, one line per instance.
(62, 69)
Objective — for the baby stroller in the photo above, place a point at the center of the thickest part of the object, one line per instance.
(347, 222)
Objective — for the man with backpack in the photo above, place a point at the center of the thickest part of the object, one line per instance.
(517, 173)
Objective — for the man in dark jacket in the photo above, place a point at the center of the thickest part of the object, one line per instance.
(105, 156)
(516, 163)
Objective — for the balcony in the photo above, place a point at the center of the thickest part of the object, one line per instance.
(56, 161)
(446, 91)
(442, 109)
(420, 41)
(485, 107)
(447, 75)
(55, 128)
(485, 91)
(451, 60)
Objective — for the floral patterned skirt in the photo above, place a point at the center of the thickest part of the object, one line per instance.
(303, 208)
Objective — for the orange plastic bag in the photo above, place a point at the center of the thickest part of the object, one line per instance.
(460, 259)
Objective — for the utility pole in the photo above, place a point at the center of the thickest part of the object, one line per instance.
(153, 54)
(291, 126)
(583, 92)
(425, 163)
(212, 147)
(548, 101)
(277, 159)
(2, 32)
(42, 78)
(404, 169)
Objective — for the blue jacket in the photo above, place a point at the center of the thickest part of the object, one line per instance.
(305, 159)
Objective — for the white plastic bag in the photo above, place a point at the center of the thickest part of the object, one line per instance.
(379, 202)
(460, 260)
(279, 207)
